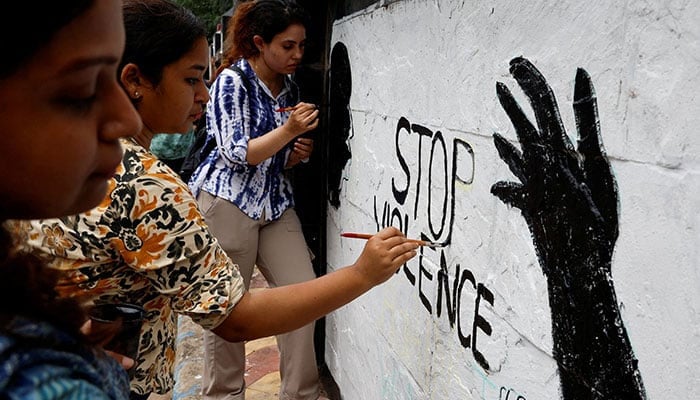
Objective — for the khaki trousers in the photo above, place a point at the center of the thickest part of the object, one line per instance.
(280, 251)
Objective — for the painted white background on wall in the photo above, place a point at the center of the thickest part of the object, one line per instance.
(436, 63)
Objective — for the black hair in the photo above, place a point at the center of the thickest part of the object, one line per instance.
(158, 33)
(30, 26)
(26, 284)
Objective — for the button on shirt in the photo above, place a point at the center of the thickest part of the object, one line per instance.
(234, 116)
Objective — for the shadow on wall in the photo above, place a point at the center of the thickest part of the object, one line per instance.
(339, 120)
(568, 197)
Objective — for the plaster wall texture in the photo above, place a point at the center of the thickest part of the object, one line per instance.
(435, 64)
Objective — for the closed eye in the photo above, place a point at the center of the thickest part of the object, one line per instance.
(79, 105)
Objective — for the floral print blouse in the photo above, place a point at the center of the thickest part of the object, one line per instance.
(146, 243)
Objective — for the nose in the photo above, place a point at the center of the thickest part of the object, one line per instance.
(299, 53)
(121, 118)
(202, 94)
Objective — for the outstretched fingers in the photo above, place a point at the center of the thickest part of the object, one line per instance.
(511, 155)
(399, 248)
(596, 166)
(527, 134)
(389, 232)
(510, 193)
(586, 113)
(383, 255)
(543, 102)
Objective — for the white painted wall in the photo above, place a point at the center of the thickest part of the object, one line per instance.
(436, 64)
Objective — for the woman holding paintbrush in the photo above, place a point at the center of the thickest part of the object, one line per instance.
(256, 118)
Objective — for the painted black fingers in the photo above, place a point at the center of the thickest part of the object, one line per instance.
(527, 134)
(543, 102)
(511, 193)
(511, 155)
(586, 113)
(599, 177)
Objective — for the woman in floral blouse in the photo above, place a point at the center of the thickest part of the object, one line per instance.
(147, 243)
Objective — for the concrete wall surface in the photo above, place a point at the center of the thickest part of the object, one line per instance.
(534, 295)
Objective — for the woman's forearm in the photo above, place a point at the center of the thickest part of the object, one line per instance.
(277, 310)
(283, 309)
(263, 147)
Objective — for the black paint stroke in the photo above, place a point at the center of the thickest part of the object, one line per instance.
(507, 392)
(568, 198)
(437, 142)
(339, 120)
(454, 289)
(400, 194)
(438, 138)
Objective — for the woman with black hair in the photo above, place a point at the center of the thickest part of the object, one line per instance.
(62, 113)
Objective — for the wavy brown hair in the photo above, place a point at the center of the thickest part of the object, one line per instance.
(265, 18)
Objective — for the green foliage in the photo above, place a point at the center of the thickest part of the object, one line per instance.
(209, 11)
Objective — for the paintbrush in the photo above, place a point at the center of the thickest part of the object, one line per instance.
(369, 235)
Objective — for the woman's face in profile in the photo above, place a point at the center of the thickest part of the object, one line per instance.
(178, 100)
(286, 50)
(61, 116)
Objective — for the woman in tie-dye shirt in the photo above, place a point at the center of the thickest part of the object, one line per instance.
(257, 121)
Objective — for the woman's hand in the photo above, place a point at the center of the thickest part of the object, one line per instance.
(384, 254)
(304, 117)
(99, 337)
(301, 151)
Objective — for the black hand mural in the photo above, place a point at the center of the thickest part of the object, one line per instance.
(339, 120)
(568, 198)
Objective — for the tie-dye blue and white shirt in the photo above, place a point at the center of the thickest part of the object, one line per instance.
(235, 116)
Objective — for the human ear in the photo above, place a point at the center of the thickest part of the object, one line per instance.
(258, 42)
(132, 81)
